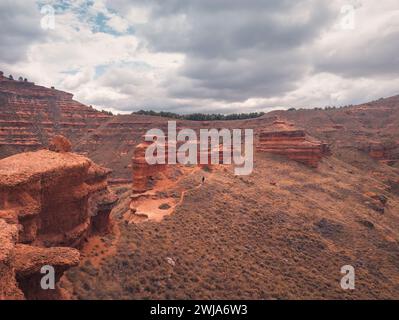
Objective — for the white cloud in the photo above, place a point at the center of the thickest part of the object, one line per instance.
(210, 57)
(74, 81)
(118, 23)
(137, 15)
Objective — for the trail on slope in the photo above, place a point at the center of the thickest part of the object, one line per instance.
(148, 206)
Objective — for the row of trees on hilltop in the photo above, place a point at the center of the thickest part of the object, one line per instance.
(10, 77)
(201, 116)
(326, 108)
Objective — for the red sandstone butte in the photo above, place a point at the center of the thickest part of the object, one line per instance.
(283, 139)
(47, 199)
(141, 170)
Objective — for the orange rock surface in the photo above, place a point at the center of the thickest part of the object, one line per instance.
(144, 174)
(60, 144)
(141, 170)
(8, 284)
(47, 199)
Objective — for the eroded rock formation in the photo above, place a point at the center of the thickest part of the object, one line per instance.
(47, 199)
(8, 284)
(60, 144)
(384, 152)
(295, 144)
(28, 262)
(143, 173)
(20, 265)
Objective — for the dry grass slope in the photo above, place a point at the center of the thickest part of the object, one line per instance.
(283, 232)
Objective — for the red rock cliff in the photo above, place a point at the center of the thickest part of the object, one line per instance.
(142, 172)
(47, 199)
(30, 114)
(8, 284)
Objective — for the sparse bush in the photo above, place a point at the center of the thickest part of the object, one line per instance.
(164, 206)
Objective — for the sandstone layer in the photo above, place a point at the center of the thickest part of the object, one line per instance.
(371, 128)
(30, 115)
(47, 200)
(144, 174)
(8, 284)
(383, 152)
(292, 143)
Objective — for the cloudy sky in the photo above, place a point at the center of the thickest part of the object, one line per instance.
(205, 55)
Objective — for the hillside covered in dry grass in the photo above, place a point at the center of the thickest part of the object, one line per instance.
(283, 232)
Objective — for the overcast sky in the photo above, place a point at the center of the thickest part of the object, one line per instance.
(205, 55)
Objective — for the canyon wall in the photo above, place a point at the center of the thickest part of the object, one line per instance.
(280, 137)
(50, 202)
(31, 114)
(372, 128)
(113, 143)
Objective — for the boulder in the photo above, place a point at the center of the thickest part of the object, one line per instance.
(60, 144)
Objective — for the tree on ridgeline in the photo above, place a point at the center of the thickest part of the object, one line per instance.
(201, 116)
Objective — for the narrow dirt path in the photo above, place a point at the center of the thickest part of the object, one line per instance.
(150, 208)
(183, 194)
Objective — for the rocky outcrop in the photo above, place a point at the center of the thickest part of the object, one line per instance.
(48, 199)
(52, 195)
(295, 144)
(143, 173)
(20, 266)
(28, 262)
(60, 144)
(100, 199)
(383, 152)
(8, 284)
